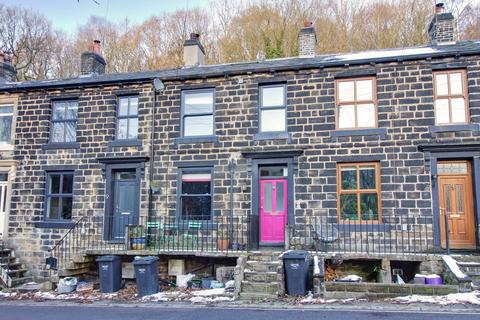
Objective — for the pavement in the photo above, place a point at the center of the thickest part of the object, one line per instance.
(53, 310)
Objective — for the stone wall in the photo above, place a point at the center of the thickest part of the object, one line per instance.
(405, 110)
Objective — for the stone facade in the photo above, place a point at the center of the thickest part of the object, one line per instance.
(405, 119)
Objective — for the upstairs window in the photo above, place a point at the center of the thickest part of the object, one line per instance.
(6, 117)
(356, 103)
(64, 122)
(59, 195)
(197, 113)
(273, 108)
(359, 192)
(127, 118)
(196, 194)
(450, 97)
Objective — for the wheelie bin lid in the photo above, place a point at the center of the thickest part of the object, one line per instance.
(107, 258)
(295, 254)
(145, 260)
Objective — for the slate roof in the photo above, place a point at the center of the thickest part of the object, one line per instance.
(293, 63)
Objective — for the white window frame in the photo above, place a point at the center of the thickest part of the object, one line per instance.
(5, 144)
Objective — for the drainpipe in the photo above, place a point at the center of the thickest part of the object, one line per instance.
(232, 172)
(157, 87)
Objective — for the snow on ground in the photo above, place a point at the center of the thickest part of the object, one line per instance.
(453, 298)
(209, 292)
(200, 296)
(311, 300)
(200, 299)
(166, 296)
(7, 294)
(452, 265)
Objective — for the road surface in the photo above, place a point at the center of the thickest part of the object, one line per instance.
(19, 311)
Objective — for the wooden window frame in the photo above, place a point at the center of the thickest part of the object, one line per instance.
(127, 117)
(449, 96)
(276, 107)
(359, 191)
(355, 102)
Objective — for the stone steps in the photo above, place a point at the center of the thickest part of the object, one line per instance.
(470, 266)
(13, 272)
(19, 281)
(262, 276)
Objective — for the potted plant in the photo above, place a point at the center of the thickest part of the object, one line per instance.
(137, 237)
(222, 242)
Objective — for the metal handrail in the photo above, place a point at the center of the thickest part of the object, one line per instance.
(59, 242)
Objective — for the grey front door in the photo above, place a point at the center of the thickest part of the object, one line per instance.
(126, 192)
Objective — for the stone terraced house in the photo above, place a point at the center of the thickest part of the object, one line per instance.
(366, 153)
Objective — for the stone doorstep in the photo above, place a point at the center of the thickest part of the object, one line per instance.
(262, 276)
(262, 288)
(390, 289)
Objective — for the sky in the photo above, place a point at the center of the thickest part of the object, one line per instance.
(66, 15)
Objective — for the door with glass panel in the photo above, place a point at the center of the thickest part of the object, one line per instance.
(273, 205)
(3, 202)
(456, 202)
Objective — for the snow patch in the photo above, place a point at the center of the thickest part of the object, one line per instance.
(165, 296)
(375, 54)
(7, 294)
(209, 292)
(452, 265)
(453, 298)
(209, 300)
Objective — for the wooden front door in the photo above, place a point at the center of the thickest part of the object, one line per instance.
(273, 211)
(456, 201)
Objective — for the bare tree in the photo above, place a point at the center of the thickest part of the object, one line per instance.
(27, 36)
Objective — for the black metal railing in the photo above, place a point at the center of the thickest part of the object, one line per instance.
(390, 235)
(163, 234)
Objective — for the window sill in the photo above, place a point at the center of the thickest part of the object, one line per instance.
(359, 132)
(455, 128)
(65, 145)
(271, 135)
(55, 224)
(186, 140)
(6, 147)
(125, 143)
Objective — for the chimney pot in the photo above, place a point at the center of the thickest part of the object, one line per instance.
(97, 46)
(308, 24)
(307, 40)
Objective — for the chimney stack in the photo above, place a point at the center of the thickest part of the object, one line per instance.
(7, 70)
(307, 40)
(91, 61)
(193, 51)
(443, 28)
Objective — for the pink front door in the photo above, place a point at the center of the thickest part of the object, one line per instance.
(273, 210)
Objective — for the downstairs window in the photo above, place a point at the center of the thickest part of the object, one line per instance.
(359, 192)
(196, 191)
